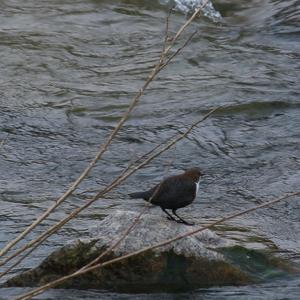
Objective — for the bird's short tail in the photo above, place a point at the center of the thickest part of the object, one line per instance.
(139, 195)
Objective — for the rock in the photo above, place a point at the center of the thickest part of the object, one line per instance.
(189, 263)
(153, 229)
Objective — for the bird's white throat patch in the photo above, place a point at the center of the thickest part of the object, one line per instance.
(197, 187)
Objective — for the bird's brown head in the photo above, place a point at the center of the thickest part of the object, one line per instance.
(194, 174)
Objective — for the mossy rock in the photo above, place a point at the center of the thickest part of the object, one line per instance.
(201, 260)
(150, 271)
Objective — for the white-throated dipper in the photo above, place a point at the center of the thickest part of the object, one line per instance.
(174, 192)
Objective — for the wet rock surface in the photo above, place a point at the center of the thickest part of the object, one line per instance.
(189, 263)
(152, 229)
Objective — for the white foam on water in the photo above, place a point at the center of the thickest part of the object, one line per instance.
(188, 6)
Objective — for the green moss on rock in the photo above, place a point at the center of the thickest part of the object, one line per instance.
(149, 271)
(193, 262)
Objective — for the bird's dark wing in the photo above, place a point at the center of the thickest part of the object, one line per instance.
(174, 192)
(142, 195)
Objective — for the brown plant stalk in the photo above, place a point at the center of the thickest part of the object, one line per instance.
(164, 147)
(51, 229)
(128, 230)
(105, 146)
(82, 271)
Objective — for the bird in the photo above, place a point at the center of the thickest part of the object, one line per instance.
(173, 193)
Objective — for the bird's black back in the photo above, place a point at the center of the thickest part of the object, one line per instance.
(174, 192)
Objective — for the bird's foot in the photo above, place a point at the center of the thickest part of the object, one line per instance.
(180, 221)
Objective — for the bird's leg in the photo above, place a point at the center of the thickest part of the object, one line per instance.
(181, 220)
(170, 217)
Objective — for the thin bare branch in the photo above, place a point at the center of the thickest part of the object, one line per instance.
(185, 25)
(167, 145)
(139, 159)
(167, 29)
(130, 228)
(178, 50)
(54, 283)
(85, 172)
(119, 241)
(104, 147)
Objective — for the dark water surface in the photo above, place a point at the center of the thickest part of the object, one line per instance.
(67, 72)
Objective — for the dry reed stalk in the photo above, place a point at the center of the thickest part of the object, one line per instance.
(104, 147)
(164, 147)
(119, 241)
(178, 50)
(128, 230)
(114, 246)
(84, 173)
(82, 271)
(97, 259)
(133, 104)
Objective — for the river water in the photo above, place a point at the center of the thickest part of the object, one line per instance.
(68, 70)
